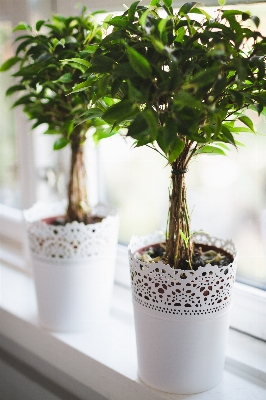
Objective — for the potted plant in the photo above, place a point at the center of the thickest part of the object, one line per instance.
(73, 250)
(182, 81)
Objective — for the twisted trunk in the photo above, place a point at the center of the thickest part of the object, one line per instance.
(78, 205)
(178, 250)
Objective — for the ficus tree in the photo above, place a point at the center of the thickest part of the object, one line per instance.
(43, 79)
(182, 81)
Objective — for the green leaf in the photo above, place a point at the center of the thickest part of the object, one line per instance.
(212, 150)
(139, 130)
(183, 236)
(79, 66)
(124, 70)
(184, 99)
(143, 18)
(152, 121)
(23, 100)
(103, 61)
(132, 10)
(230, 13)
(118, 22)
(43, 57)
(24, 44)
(221, 2)
(241, 65)
(239, 129)
(14, 89)
(227, 134)
(200, 11)
(167, 3)
(205, 77)
(89, 115)
(80, 61)
(186, 7)
(61, 143)
(237, 97)
(39, 24)
(22, 26)
(219, 86)
(256, 20)
(52, 132)
(134, 94)
(176, 149)
(69, 126)
(247, 121)
(9, 63)
(239, 143)
(170, 132)
(81, 86)
(222, 145)
(139, 63)
(66, 78)
(70, 40)
(121, 110)
(91, 48)
(158, 45)
(103, 84)
(102, 133)
(161, 140)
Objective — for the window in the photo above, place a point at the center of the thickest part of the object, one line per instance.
(9, 190)
(231, 191)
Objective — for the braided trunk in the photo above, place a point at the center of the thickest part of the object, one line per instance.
(178, 250)
(78, 205)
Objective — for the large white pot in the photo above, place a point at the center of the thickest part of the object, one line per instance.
(73, 267)
(181, 321)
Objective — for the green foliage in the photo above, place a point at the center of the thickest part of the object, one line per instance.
(181, 80)
(45, 76)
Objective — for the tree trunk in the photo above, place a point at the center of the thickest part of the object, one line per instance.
(178, 249)
(78, 205)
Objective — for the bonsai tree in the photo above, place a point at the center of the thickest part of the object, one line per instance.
(44, 77)
(182, 84)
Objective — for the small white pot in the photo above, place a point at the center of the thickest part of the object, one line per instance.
(181, 322)
(73, 267)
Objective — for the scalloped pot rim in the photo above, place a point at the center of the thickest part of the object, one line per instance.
(72, 242)
(161, 289)
(40, 211)
(159, 237)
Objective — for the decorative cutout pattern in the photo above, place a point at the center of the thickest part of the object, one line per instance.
(74, 240)
(159, 287)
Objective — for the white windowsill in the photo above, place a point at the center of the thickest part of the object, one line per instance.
(104, 359)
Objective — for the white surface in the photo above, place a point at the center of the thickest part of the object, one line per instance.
(180, 354)
(67, 292)
(104, 359)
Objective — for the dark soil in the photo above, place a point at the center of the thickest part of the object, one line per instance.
(202, 255)
(62, 221)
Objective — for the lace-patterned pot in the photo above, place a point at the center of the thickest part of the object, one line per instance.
(73, 266)
(181, 319)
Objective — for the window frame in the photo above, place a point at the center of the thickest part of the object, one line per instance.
(250, 303)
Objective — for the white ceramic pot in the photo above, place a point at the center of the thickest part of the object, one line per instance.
(181, 321)
(73, 267)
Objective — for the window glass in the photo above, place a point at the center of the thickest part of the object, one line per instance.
(29, 167)
(9, 188)
(226, 195)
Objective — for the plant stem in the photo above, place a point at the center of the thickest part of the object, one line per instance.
(78, 205)
(176, 248)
